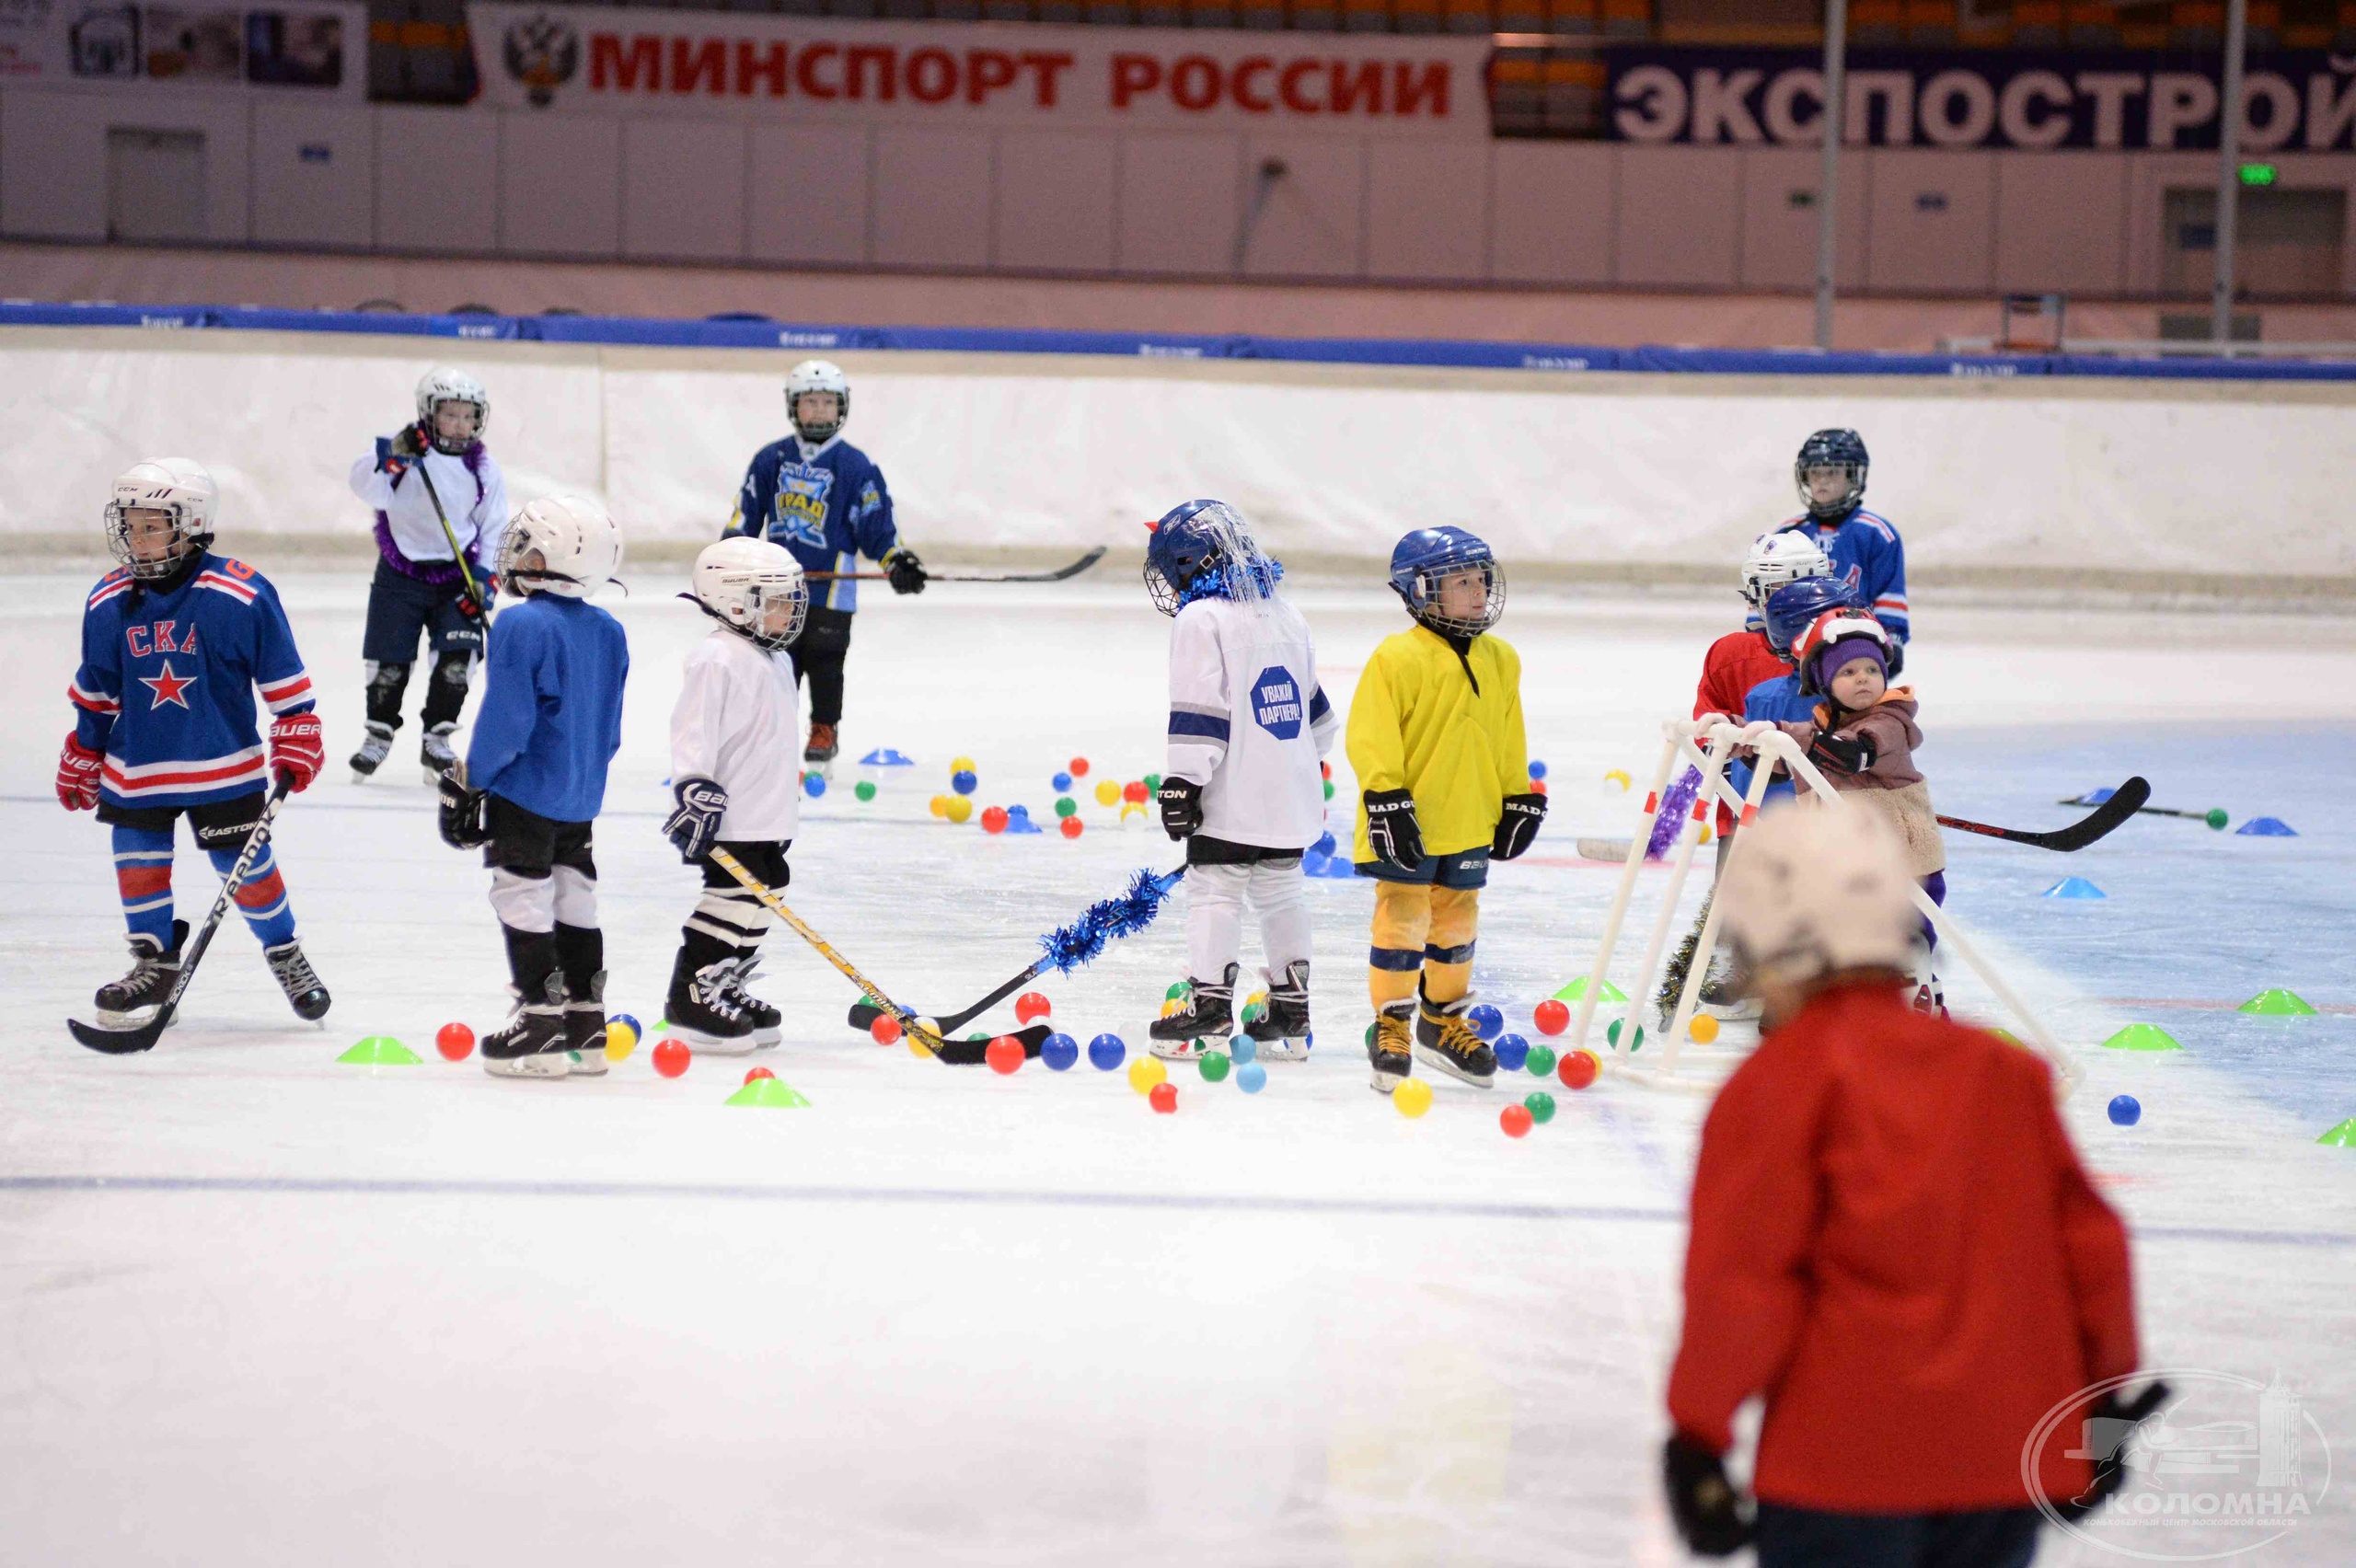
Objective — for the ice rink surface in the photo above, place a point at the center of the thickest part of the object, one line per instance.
(262, 1307)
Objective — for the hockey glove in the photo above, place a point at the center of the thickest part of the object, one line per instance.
(1707, 1509)
(465, 812)
(1391, 828)
(77, 776)
(695, 825)
(1843, 753)
(409, 441)
(907, 572)
(298, 746)
(473, 604)
(2112, 1423)
(1518, 828)
(1182, 806)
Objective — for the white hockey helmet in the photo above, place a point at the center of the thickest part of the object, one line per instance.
(817, 376)
(1814, 889)
(442, 384)
(579, 547)
(738, 580)
(1780, 557)
(177, 487)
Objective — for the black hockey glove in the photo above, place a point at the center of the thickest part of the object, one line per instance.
(2112, 1423)
(695, 823)
(409, 441)
(465, 812)
(907, 572)
(1843, 753)
(1707, 1509)
(1518, 828)
(1391, 828)
(1182, 806)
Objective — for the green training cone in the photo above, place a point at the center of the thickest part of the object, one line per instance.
(2343, 1136)
(380, 1050)
(1577, 990)
(2276, 1002)
(770, 1092)
(2142, 1037)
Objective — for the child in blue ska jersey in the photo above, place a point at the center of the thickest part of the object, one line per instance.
(1868, 556)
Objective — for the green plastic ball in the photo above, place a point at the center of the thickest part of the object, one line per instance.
(1539, 1062)
(1177, 992)
(1370, 1037)
(2217, 818)
(1214, 1066)
(1540, 1106)
(1613, 1035)
(1329, 789)
(864, 789)
(1254, 1011)
(1066, 806)
(1153, 783)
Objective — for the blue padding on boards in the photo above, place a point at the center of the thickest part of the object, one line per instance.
(2268, 827)
(2075, 887)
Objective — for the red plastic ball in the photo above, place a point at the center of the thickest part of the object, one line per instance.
(886, 1030)
(1070, 828)
(1134, 792)
(1514, 1119)
(1325, 770)
(994, 819)
(672, 1056)
(1537, 786)
(1164, 1098)
(1077, 767)
(1552, 1017)
(1031, 1007)
(759, 1073)
(1577, 1069)
(456, 1041)
(1004, 1053)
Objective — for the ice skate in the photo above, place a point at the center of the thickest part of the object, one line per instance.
(437, 753)
(819, 754)
(767, 1021)
(1204, 1020)
(374, 747)
(1719, 997)
(298, 980)
(1387, 1052)
(1282, 1029)
(531, 1043)
(703, 1013)
(130, 1002)
(1447, 1041)
(584, 1028)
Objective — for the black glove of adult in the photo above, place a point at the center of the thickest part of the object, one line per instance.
(695, 823)
(409, 441)
(465, 812)
(2112, 1423)
(1843, 753)
(1391, 828)
(1706, 1508)
(1182, 805)
(1518, 828)
(906, 571)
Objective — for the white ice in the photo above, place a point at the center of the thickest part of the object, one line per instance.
(262, 1307)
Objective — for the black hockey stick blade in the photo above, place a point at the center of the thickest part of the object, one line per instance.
(971, 1052)
(122, 1042)
(1057, 575)
(863, 1013)
(2123, 803)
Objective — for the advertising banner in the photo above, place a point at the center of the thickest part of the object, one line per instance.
(320, 49)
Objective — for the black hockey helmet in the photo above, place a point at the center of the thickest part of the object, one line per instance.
(1843, 449)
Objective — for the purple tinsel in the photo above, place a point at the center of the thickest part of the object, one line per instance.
(1130, 912)
(1674, 810)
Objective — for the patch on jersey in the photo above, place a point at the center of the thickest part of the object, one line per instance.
(800, 504)
(168, 687)
(1275, 702)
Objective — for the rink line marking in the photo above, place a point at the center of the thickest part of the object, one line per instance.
(2204, 1004)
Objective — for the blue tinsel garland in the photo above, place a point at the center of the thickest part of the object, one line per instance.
(1125, 915)
(1217, 583)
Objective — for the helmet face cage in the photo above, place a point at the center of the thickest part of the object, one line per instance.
(752, 608)
(185, 541)
(1424, 597)
(1207, 544)
(817, 376)
(1779, 558)
(1843, 449)
(442, 386)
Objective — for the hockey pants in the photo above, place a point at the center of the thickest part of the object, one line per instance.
(730, 920)
(544, 889)
(446, 693)
(1216, 896)
(1421, 930)
(819, 654)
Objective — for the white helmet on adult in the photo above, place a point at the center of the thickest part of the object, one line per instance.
(1814, 889)
(177, 487)
(579, 548)
(817, 376)
(740, 579)
(442, 384)
(1780, 557)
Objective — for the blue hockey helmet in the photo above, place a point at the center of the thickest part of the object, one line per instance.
(1792, 608)
(1421, 561)
(1843, 449)
(1204, 546)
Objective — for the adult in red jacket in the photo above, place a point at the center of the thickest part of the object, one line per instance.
(1892, 1242)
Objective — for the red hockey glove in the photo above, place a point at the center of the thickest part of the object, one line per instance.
(297, 745)
(409, 441)
(77, 776)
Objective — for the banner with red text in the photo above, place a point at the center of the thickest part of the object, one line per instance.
(720, 65)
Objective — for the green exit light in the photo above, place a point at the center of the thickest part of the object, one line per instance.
(2260, 174)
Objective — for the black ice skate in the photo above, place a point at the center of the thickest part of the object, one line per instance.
(584, 1028)
(130, 1002)
(437, 753)
(532, 1044)
(1448, 1041)
(1282, 1030)
(298, 980)
(1203, 1021)
(820, 752)
(769, 1024)
(702, 1013)
(1719, 997)
(373, 749)
(1394, 1026)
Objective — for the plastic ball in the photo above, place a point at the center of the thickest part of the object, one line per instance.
(1031, 1007)
(1537, 769)
(1066, 806)
(1152, 783)
(2217, 818)
(864, 790)
(1251, 1078)
(1133, 812)
(456, 1042)
(1325, 770)
(938, 805)
(960, 809)
(1071, 827)
(1618, 775)
(1079, 767)
(1412, 1098)
(886, 1030)
(1486, 1022)
(1134, 792)
(962, 764)
(1324, 844)
(1019, 812)
(1537, 786)
(1540, 1104)
(1170, 1007)
(1059, 783)
(1707, 833)
(1329, 789)
(1105, 1053)
(1177, 992)
(1058, 1051)
(813, 785)
(1004, 1053)
(759, 1073)
(963, 781)
(1370, 1037)
(921, 1030)
(1540, 1060)
(1612, 1035)
(1213, 1065)
(1107, 792)
(1552, 1017)
(1244, 1049)
(623, 1035)
(1164, 1099)
(1146, 1072)
(2126, 1110)
(1514, 1119)
(1579, 1070)
(1702, 1029)
(994, 819)
(1512, 1052)
(672, 1056)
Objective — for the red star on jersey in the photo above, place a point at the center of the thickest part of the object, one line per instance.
(168, 687)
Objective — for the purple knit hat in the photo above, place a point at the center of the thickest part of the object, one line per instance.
(1828, 663)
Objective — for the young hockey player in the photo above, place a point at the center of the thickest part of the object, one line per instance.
(1892, 1243)
(535, 779)
(1868, 555)
(1435, 737)
(175, 643)
(440, 504)
(732, 734)
(1742, 660)
(1242, 787)
(823, 500)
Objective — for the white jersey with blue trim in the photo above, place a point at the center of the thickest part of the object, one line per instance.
(1248, 720)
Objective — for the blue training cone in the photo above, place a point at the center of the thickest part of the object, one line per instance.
(885, 756)
(2074, 887)
(2268, 827)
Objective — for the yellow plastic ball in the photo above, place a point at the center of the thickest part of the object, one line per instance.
(939, 805)
(1107, 792)
(1132, 809)
(1146, 1072)
(1619, 776)
(961, 808)
(620, 1041)
(963, 765)
(1706, 833)
(1412, 1098)
(1168, 1006)
(1704, 1029)
(1255, 998)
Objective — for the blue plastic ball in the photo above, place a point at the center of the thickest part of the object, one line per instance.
(1060, 783)
(1324, 844)
(963, 781)
(1105, 1052)
(1512, 1050)
(1251, 1078)
(1243, 1050)
(813, 785)
(1020, 813)
(635, 1027)
(1485, 1020)
(1059, 1051)
(2126, 1110)
(1537, 769)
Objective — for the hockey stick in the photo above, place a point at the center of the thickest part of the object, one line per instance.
(2123, 803)
(474, 590)
(1067, 947)
(1074, 570)
(923, 1041)
(142, 1037)
(2215, 816)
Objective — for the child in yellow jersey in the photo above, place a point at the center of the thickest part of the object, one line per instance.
(1435, 737)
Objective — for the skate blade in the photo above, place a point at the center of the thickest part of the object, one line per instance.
(1283, 1051)
(586, 1063)
(1383, 1083)
(714, 1044)
(767, 1039)
(1430, 1056)
(545, 1065)
(1178, 1050)
(137, 1017)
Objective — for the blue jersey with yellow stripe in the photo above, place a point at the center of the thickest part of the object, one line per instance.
(827, 504)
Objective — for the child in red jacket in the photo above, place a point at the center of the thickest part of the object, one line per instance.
(1892, 1242)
